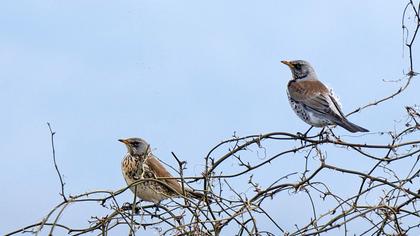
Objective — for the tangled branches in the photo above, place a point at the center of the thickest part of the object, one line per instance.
(280, 184)
(385, 200)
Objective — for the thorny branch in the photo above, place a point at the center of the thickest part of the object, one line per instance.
(377, 191)
(55, 162)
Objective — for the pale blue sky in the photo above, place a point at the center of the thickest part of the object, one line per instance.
(184, 75)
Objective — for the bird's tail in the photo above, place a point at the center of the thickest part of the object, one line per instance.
(351, 127)
(197, 195)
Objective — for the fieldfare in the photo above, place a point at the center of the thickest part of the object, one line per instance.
(312, 101)
(139, 163)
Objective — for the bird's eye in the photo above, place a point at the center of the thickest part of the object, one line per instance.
(298, 66)
(135, 144)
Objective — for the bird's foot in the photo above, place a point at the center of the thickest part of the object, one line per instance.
(130, 207)
(300, 135)
(322, 133)
(156, 206)
(304, 135)
(126, 206)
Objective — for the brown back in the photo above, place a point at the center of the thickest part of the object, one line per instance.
(160, 171)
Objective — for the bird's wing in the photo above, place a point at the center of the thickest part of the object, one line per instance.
(336, 105)
(316, 96)
(161, 171)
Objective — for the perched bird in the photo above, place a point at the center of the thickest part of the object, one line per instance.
(312, 101)
(139, 163)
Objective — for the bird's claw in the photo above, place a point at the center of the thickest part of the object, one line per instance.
(129, 206)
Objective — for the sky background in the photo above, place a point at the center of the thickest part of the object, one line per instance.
(184, 75)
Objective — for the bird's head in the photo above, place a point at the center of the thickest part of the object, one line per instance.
(301, 69)
(136, 146)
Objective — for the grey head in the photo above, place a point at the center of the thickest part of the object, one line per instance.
(301, 70)
(136, 146)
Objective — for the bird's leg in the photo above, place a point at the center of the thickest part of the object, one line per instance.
(321, 133)
(156, 206)
(133, 207)
(304, 135)
(335, 136)
(125, 206)
(138, 209)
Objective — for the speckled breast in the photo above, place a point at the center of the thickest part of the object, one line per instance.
(307, 115)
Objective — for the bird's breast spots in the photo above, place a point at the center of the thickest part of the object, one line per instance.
(131, 173)
(149, 175)
(295, 105)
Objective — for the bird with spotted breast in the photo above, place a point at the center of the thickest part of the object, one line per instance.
(139, 163)
(312, 101)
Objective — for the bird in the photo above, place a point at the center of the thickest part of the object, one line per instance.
(140, 163)
(312, 101)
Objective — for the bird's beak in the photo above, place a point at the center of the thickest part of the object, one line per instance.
(287, 63)
(123, 141)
